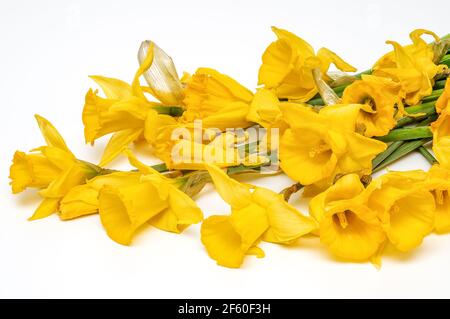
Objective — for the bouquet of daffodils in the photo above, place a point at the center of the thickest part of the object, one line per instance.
(327, 130)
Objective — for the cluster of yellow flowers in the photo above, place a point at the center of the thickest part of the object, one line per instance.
(335, 129)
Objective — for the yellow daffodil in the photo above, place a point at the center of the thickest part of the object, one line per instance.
(256, 214)
(441, 139)
(439, 179)
(287, 66)
(125, 112)
(218, 100)
(405, 207)
(154, 199)
(82, 200)
(348, 227)
(411, 66)
(265, 110)
(52, 168)
(319, 146)
(380, 102)
(184, 151)
(443, 102)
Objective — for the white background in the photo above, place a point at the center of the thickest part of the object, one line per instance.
(47, 50)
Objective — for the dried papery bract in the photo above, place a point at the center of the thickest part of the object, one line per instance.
(162, 76)
(326, 92)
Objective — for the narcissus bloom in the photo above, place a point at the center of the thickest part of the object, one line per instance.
(412, 66)
(441, 139)
(439, 180)
(443, 102)
(154, 199)
(82, 200)
(265, 110)
(125, 112)
(404, 206)
(256, 214)
(319, 146)
(288, 64)
(381, 104)
(216, 99)
(52, 168)
(348, 227)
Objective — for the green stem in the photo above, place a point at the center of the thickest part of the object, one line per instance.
(404, 149)
(433, 117)
(445, 60)
(426, 108)
(439, 84)
(160, 167)
(433, 96)
(406, 133)
(389, 150)
(428, 156)
(169, 110)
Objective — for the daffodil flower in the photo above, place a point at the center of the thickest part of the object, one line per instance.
(216, 99)
(154, 199)
(125, 112)
(82, 200)
(256, 214)
(265, 110)
(347, 226)
(411, 66)
(52, 168)
(405, 207)
(288, 63)
(319, 146)
(380, 103)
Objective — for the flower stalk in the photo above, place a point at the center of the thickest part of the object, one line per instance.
(402, 150)
(407, 133)
(427, 155)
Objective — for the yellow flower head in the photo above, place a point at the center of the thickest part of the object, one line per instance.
(184, 147)
(256, 214)
(319, 146)
(125, 112)
(265, 110)
(404, 206)
(31, 170)
(154, 199)
(441, 139)
(443, 102)
(216, 99)
(52, 168)
(82, 200)
(348, 227)
(439, 180)
(380, 100)
(411, 66)
(287, 66)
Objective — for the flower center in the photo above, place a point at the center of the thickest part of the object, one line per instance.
(440, 196)
(341, 218)
(369, 105)
(395, 208)
(318, 149)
